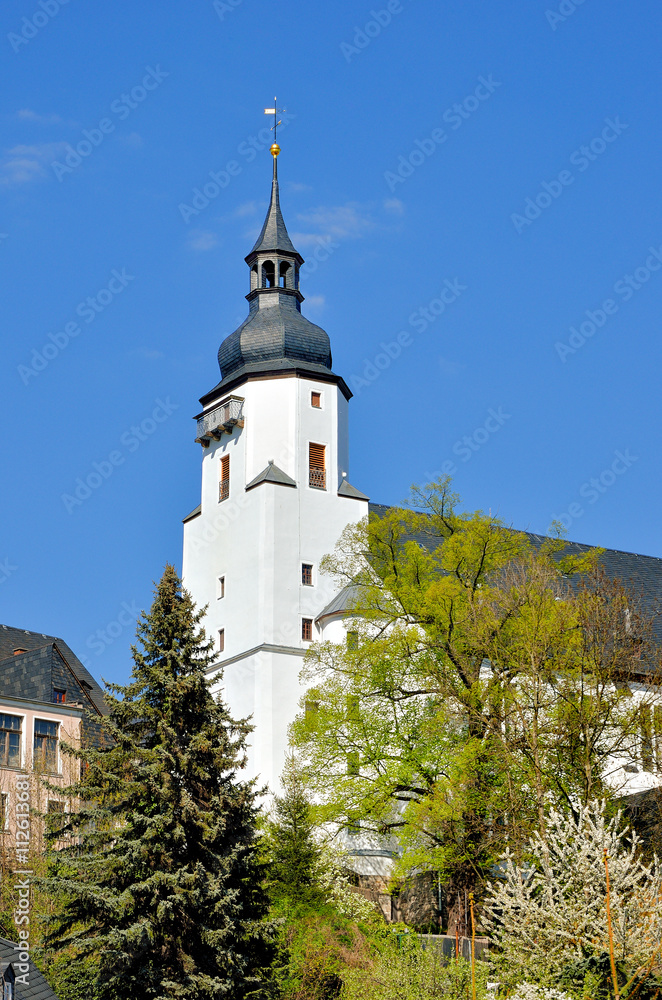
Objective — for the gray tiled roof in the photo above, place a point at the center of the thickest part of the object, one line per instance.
(347, 490)
(273, 333)
(274, 235)
(272, 474)
(30, 674)
(37, 988)
(342, 603)
(265, 369)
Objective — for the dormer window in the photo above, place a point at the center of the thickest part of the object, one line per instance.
(268, 274)
(8, 983)
(59, 696)
(19, 650)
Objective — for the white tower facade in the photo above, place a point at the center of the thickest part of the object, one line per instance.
(274, 499)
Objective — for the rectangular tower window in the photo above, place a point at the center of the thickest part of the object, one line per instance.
(316, 400)
(221, 640)
(224, 484)
(317, 466)
(307, 574)
(307, 629)
(10, 740)
(45, 744)
(220, 590)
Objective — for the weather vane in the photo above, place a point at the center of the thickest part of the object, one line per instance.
(275, 111)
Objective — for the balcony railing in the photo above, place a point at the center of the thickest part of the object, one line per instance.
(221, 420)
(317, 478)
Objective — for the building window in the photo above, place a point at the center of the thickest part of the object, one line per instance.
(307, 629)
(45, 744)
(8, 983)
(221, 640)
(224, 484)
(352, 641)
(59, 696)
(307, 574)
(316, 400)
(353, 711)
(317, 466)
(10, 740)
(55, 815)
(4, 801)
(19, 650)
(221, 588)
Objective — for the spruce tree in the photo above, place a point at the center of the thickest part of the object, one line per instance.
(291, 849)
(161, 883)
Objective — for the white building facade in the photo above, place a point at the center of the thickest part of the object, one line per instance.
(275, 496)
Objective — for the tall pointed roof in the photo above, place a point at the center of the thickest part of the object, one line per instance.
(274, 235)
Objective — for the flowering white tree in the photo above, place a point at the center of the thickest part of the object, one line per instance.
(553, 910)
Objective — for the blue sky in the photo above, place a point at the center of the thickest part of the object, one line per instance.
(471, 181)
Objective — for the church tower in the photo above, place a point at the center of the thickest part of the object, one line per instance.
(275, 495)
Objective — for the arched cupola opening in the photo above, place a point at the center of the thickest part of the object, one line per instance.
(268, 274)
(285, 275)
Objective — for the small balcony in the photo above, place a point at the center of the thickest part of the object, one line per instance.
(221, 420)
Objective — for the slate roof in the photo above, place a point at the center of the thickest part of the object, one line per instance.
(31, 674)
(347, 490)
(272, 474)
(37, 988)
(273, 333)
(342, 603)
(274, 235)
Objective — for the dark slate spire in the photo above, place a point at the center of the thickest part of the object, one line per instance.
(274, 236)
(274, 338)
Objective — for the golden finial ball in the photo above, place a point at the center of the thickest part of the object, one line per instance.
(275, 149)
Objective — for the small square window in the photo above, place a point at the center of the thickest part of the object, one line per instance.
(307, 629)
(307, 574)
(59, 696)
(316, 400)
(221, 640)
(220, 587)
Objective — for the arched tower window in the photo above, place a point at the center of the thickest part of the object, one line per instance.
(254, 277)
(296, 275)
(268, 274)
(284, 275)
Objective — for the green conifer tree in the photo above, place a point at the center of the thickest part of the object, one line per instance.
(292, 852)
(162, 884)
